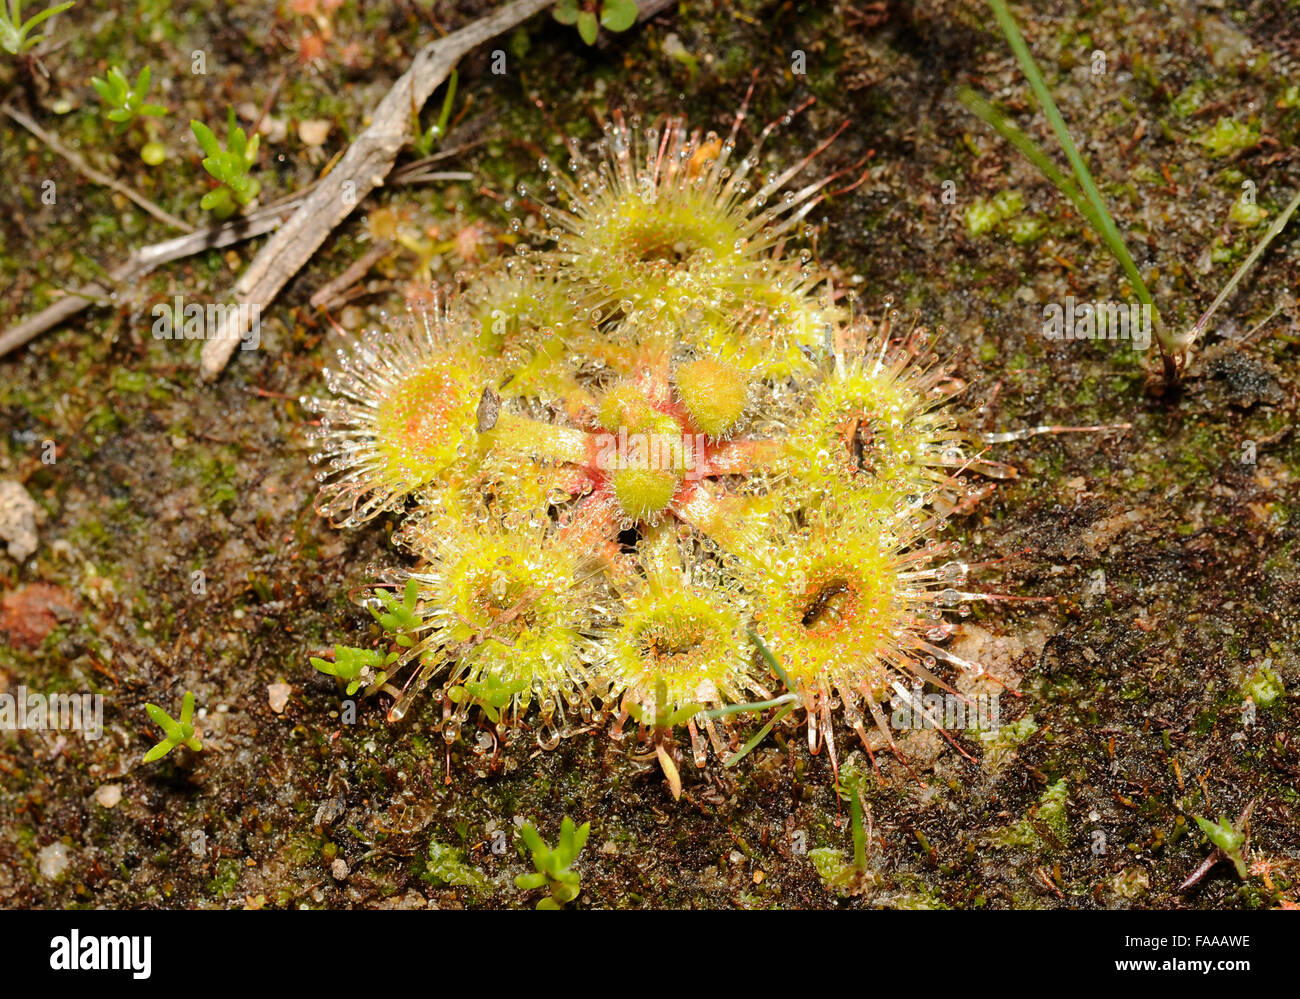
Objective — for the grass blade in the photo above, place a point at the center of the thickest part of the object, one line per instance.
(1100, 216)
(744, 750)
(1109, 230)
(771, 660)
(1278, 225)
(999, 122)
(734, 709)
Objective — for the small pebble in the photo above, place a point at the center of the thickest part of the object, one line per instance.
(17, 519)
(52, 861)
(108, 795)
(277, 694)
(313, 131)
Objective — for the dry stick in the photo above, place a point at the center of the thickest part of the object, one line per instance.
(86, 170)
(362, 169)
(327, 294)
(146, 258)
(650, 8)
(140, 263)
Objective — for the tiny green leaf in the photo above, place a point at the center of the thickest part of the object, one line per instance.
(618, 15)
(207, 140)
(160, 717)
(530, 881)
(1222, 834)
(158, 752)
(553, 866)
(176, 733)
(531, 839)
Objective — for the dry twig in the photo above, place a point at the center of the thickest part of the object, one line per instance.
(362, 169)
(141, 262)
(88, 171)
(144, 259)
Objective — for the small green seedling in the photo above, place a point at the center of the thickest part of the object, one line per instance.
(367, 667)
(230, 166)
(15, 32)
(398, 617)
(662, 718)
(359, 667)
(125, 100)
(491, 694)
(425, 141)
(851, 781)
(614, 15)
(178, 732)
(663, 721)
(553, 865)
(1228, 838)
(832, 866)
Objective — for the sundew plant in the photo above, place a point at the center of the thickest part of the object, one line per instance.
(654, 472)
(611, 454)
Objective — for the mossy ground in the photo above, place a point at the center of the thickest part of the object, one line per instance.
(1135, 695)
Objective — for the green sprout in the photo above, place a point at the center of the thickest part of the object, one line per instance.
(398, 617)
(367, 667)
(125, 100)
(663, 721)
(230, 166)
(491, 694)
(663, 717)
(1228, 838)
(14, 31)
(614, 15)
(832, 866)
(425, 141)
(553, 864)
(851, 781)
(351, 664)
(177, 732)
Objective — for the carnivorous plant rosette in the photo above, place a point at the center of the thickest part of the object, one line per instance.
(654, 474)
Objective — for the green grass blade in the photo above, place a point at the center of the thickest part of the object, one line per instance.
(1109, 231)
(744, 750)
(1278, 225)
(733, 709)
(999, 122)
(859, 832)
(771, 660)
(445, 116)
